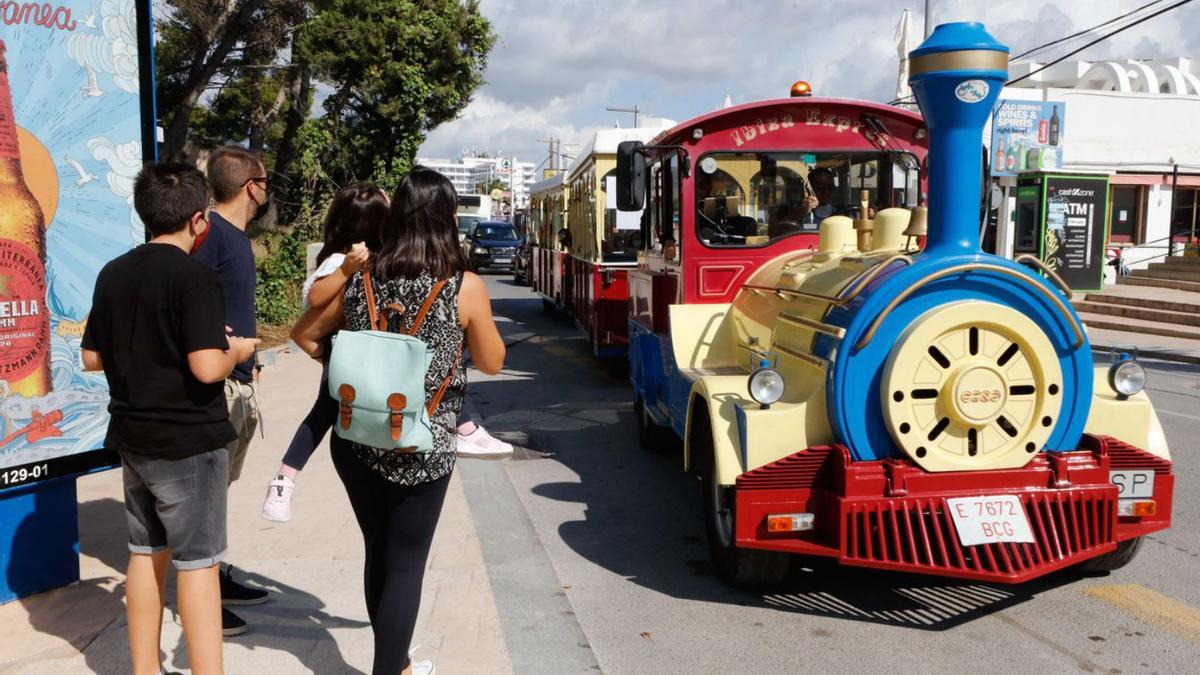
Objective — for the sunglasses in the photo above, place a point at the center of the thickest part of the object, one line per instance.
(256, 179)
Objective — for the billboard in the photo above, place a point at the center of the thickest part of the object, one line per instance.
(72, 139)
(1076, 211)
(1027, 136)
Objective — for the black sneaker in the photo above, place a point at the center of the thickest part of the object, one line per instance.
(231, 624)
(233, 593)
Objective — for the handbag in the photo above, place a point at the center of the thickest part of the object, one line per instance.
(378, 379)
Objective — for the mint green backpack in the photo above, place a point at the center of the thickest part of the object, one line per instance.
(378, 379)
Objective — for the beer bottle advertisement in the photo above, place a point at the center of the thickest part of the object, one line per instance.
(70, 147)
(1035, 129)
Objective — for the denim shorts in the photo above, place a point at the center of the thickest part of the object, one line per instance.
(177, 504)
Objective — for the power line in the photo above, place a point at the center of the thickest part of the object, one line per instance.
(1071, 53)
(1085, 31)
(1098, 40)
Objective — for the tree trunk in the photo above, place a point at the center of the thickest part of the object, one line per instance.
(230, 28)
(285, 184)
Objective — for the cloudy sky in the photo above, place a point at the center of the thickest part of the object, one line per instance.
(558, 64)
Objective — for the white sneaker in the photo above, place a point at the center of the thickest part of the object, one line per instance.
(423, 668)
(479, 444)
(278, 504)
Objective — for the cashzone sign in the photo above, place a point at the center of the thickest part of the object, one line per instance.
(71, 142)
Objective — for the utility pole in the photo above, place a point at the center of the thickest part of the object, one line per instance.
(633, 110)
(552, 144)
(928, 17)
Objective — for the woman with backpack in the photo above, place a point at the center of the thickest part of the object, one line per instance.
(417, 285)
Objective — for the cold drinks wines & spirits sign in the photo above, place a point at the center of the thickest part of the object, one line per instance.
(1027, 136)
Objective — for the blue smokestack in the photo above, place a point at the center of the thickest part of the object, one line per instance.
(956, 75)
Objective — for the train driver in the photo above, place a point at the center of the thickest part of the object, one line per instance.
(805, 204)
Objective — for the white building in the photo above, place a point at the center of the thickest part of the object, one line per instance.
(472, 174)
(1136, 122)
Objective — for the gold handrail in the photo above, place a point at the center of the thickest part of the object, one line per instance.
(813, 324)
(1045, 269)
(900, 297)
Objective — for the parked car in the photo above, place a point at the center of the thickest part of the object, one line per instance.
(466, 221)
(492, 245)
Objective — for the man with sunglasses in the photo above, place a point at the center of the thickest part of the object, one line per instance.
(239, 186)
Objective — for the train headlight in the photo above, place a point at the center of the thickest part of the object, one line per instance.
(766, 386)
(1127, 377)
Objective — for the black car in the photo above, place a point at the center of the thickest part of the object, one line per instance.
(492, 245)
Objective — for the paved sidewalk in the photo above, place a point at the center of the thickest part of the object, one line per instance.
(316, 621)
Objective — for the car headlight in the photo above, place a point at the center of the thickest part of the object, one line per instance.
(1127, 377)
(479, 250)
(766, 386)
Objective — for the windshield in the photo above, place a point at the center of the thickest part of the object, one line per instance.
(752, 199)
(496, 233)
(465, 223)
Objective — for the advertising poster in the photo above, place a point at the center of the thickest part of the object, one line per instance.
(1076, 212)
(71, 143)
(1027, 136)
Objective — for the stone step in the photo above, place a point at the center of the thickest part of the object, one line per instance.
(1193, 260)
(1139, 312)
(1169, 304)
(1129, 325)
(1174, 275)
(1160, 283)
(1175, 265)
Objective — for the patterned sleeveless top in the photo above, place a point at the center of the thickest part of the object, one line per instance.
(444, 334)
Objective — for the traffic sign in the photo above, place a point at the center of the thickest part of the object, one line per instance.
(496, 194)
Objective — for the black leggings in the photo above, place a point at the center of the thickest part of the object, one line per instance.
(397, 523)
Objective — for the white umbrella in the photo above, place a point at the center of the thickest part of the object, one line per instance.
(903, 38)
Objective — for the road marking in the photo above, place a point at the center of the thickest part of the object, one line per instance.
(1179, 414)
(1152, 607)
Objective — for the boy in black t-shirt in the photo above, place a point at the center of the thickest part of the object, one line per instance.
(157, 329)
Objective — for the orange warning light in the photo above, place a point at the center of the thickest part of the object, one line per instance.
(801, 88)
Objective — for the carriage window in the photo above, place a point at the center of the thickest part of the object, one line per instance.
(752, 199)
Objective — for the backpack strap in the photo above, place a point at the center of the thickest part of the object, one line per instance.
(369, 291)
(426, 306)
(437, 397)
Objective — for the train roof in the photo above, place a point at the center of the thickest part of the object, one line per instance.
(682, 129)
(605, 142)
(552, 183)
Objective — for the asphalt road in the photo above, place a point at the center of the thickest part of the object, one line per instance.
(597, 555)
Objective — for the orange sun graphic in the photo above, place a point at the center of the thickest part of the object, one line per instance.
(40, 174)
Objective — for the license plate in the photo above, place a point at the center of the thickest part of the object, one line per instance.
(502, 261)
(1133, 484)
(990, 520)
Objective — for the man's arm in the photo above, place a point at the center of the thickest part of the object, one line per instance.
(91, 360)
(214, 365)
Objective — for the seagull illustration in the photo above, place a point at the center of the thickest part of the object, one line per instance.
(90, 21)
(85, 177)
(91, 89)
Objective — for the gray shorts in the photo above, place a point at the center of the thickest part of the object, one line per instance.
(177, 504)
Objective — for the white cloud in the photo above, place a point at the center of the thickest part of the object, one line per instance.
(557, 65)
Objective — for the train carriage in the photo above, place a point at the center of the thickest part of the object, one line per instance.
(885, 401)
(547, 220)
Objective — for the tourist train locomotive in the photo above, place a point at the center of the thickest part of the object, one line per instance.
(894, 398)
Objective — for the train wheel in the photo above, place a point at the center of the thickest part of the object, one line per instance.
(738, 567)
(1114, 560)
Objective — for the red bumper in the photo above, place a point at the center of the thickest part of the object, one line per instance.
(891, 514)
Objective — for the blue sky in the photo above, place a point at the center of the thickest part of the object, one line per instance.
(558, 64)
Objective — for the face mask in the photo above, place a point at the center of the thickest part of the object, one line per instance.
(262, 208)
(201, 237)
